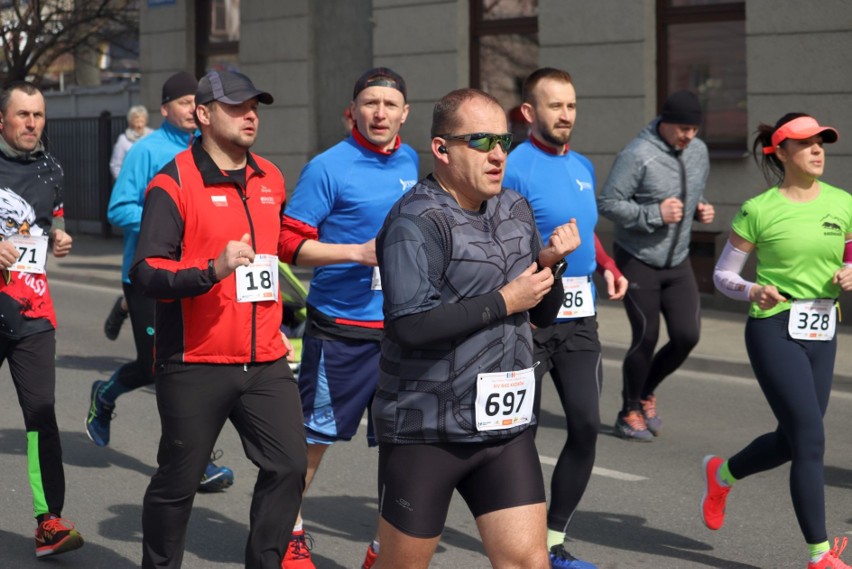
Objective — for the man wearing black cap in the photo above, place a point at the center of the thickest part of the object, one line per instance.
(653, 193)
(330, 223)
(141, 164)
(207, 251)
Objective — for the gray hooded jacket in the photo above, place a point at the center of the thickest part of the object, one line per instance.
(646, 172)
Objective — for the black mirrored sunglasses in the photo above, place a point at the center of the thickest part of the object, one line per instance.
(483, 141)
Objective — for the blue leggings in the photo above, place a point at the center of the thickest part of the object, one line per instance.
(795, 377)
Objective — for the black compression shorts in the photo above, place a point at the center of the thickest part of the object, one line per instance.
(416, 482)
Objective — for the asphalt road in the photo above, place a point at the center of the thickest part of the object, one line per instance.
(640, 510)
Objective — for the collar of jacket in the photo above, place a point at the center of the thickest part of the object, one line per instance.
(212, 174)
(20, 155)
(363, 142)
(181, 136)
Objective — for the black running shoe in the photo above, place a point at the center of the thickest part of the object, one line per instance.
(116, 318)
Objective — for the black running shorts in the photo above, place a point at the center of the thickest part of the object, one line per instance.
(416, 482)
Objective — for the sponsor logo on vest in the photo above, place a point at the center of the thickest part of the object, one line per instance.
(220, 201)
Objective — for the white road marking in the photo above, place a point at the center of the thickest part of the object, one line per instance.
(599, 471)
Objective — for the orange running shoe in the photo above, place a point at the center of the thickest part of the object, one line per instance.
(715, 494)
(831, 559)
(298, 554)
(56, 535)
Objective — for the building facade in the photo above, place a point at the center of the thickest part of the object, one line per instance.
(749, 62)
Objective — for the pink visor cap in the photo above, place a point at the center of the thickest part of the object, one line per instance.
(800, 129)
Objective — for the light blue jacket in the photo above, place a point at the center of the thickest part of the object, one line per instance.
(144, 159)
(646, 172)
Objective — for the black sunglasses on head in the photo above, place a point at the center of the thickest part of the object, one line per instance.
(483, 141)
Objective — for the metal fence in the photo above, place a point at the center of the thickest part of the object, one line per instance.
(83, 147)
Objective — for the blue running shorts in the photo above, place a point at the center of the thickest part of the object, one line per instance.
(337, 381)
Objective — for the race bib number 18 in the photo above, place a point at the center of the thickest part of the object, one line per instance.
(812, 319)
(504, 399)
(32, 253)
(258, 282)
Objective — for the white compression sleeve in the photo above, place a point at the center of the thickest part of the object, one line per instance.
(726, 274)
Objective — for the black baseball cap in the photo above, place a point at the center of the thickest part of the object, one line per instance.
(228, 87)
(380, 77)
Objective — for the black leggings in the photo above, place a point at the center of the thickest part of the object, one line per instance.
(32, 363)
(672, 291)
(571, 352)
(795, 377)
(139, 372)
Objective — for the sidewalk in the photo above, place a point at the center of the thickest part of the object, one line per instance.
(97, 261)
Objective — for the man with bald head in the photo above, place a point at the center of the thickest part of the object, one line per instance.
(464, 273)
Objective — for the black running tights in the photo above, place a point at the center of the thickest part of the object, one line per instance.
(795, 377)
(672, 292)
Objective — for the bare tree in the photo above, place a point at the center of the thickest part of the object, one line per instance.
(37, 32)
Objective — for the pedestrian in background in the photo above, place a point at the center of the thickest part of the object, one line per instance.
(801, 231)
(652, 195)
(137, 128)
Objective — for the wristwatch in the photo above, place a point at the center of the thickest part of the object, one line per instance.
(558, 269)
(211, 271)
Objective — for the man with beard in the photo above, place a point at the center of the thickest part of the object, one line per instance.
(207, 252)
(143, 161)
(560, 185)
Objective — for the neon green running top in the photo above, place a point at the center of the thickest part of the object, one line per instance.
(799, 244)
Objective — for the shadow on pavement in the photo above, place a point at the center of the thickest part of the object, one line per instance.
(838, 477)
(100, 364)
(18, 551)
(630, 533)
(210, 535)
(354, 518)
(77, 450)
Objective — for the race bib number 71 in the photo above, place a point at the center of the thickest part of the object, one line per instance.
(32, 253)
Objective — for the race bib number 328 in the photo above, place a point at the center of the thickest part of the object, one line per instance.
(813, 319)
